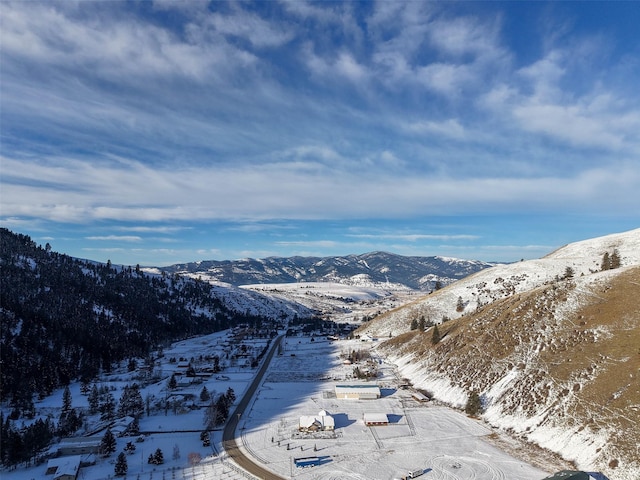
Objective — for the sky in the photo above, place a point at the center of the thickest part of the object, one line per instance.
(163, 132)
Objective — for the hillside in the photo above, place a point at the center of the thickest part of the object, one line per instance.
(65, 318)
(375, 269)
(555, 357)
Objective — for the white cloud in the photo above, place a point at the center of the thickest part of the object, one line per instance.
(116, 238)
(253, 28)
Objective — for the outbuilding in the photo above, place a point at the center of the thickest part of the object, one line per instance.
(375, 419)
(358, 392)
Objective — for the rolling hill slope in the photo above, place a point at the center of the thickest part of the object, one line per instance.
(555, 357)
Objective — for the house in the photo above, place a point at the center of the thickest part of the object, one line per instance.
(322, 421)
(358, 392)
(375, 419)
(64, 468)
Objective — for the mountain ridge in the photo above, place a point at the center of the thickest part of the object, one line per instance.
(377, 268)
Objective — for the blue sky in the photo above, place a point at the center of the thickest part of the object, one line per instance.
(164, 132)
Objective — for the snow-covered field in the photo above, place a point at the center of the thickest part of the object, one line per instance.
(441, 441)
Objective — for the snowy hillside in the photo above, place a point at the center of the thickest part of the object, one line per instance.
(336, 301)
(554, 356)
(502, 281)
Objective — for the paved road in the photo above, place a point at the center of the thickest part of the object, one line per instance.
(229, 442)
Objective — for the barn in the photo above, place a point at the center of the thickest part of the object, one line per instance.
(358, 392)
(375, 419)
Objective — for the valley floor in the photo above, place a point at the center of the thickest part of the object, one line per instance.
(444, 443)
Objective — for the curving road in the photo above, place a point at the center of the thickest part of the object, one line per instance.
(229, 441)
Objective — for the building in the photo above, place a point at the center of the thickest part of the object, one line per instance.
(358, 392)
(419, 397)
(375, 419)
(321, 422)
(79, 445)
(64, 468)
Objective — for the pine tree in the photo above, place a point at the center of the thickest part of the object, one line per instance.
(606, 262)
(94, 400)
(204, 394)
(460, 305)
(222, 410)
(615, 259)
(158, 457)
(422, 324)
(121, 467)
(66, 400)
(435, 335)
(108, 443)
(230, 396)
(107, 407)
(173, 383)
(414, 324)
(474, 404)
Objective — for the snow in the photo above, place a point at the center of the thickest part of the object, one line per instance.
(442, 441)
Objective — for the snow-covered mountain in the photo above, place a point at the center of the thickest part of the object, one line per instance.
(375, 269)
(551, 345)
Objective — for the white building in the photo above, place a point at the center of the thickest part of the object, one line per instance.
(315, 423)
(358, 392)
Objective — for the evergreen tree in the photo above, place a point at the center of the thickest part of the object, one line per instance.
(108, 443)
(615, 259)
(107, 407)
(66, 400)
(230, 396)
(414, 324)
(158, 457)
(422, 324)
(460, 305)
(131, 402)
(94, 400)
(568, 273)
(222, 410)
(606, 262)
(474, 404)
(435, 335)
(173, 383)
(121, 467)
(204, 394)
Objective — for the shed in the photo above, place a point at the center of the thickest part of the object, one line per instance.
(358, 392)
(375, 419)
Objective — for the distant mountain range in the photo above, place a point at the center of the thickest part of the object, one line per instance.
(380, 269)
